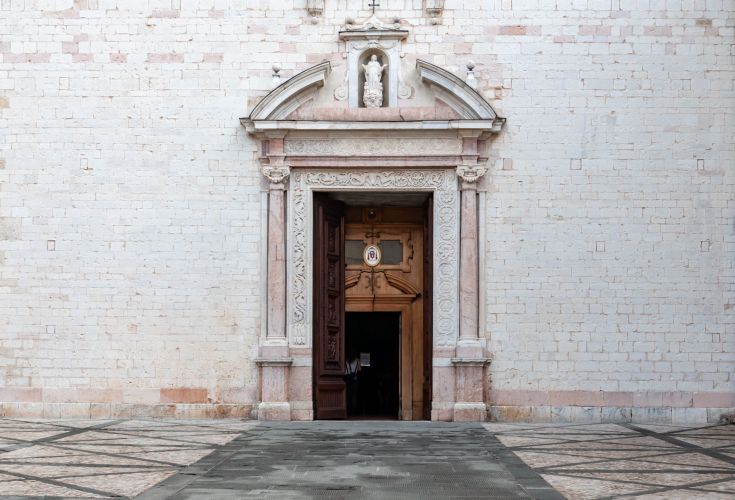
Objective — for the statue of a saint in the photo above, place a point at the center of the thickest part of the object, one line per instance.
(373, 89)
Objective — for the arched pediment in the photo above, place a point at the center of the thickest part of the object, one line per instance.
(292, 93)
(455, 92)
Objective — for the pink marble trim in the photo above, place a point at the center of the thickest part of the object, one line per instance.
(142, 396)
(609, 398)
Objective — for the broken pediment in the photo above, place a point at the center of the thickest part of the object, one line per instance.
(430, 94)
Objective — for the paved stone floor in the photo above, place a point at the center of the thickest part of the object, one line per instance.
(232, 459)
(627, 461)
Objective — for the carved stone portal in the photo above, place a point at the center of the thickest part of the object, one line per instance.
(306, 155)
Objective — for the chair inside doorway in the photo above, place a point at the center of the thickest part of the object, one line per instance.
(375, 338)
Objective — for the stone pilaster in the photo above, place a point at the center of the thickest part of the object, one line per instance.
(470, 360)
(274, 360)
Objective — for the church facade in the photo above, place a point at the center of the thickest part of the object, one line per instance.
(500, 210)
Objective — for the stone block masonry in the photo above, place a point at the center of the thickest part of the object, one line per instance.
(609, 241)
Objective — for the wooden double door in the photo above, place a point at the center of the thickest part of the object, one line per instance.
(398, 287)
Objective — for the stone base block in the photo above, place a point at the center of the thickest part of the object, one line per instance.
(302, 415)
(274, 411)
(470, 412)
(441, 415)
(302, 410)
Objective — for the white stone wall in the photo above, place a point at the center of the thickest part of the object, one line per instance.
(131, 205)
(610, 218)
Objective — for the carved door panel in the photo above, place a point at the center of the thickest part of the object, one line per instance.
(329, 309)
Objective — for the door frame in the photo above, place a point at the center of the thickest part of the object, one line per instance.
(304, 183)
(403, 306)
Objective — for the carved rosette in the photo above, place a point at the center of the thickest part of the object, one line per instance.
(276, 174)
(471, 173)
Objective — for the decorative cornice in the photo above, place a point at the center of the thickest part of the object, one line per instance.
(472, 361)
(274, 361)
(373, 28)
(334, 125)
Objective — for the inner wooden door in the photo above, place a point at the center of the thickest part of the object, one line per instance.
(395, 285)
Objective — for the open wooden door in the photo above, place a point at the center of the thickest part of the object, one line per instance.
(428, 305)
(330, 400)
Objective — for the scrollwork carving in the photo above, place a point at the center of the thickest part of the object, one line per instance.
(404, 91)
(372, 44)
(340, 93)
(298, 268)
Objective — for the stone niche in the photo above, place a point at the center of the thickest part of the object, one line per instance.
(362, 42)
(433, 133)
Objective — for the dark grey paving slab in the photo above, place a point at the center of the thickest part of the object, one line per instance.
(353, 460)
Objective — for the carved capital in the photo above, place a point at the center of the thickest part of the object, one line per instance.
(277, 174)
(471, 173)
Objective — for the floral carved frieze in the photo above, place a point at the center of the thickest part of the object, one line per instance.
(395, 146)
(443, 183)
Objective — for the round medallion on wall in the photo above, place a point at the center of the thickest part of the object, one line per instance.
(371, 255)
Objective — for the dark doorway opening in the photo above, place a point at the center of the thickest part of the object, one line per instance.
(374, 336)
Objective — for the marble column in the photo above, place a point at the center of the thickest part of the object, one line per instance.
(274, 360)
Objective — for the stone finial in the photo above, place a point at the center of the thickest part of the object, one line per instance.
(471, 80)
(276, 81)
(471, 173)
(276, 174)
